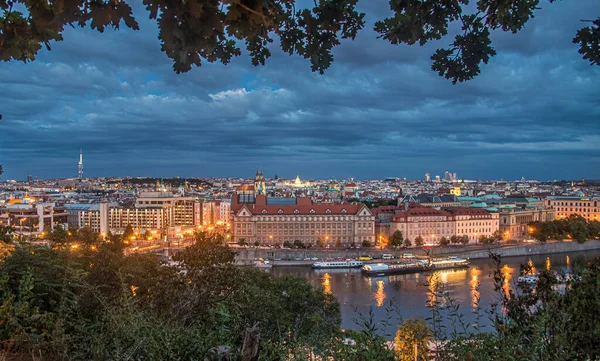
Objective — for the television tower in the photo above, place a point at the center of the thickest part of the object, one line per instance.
(80, 165)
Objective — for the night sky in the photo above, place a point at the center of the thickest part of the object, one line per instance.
(379, 111)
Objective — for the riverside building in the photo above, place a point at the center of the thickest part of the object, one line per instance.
(270, 220)
(587, 207)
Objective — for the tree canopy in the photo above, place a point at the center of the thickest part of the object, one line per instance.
(194, 31)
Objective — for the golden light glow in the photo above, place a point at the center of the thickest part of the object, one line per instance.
(326, 283)
(530, 264)
(568, 261)
(433, 288)
(507, 273)
(74, 247)
(474, 285)
(380, 295)
(547, 263)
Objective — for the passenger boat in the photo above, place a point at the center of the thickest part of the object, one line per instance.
(337, 264)
(381, 269)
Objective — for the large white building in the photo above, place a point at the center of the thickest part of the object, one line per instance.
(432, 224)
(152, 211)
(257, 218)
(587, 207)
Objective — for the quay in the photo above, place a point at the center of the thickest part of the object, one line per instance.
(306, 257)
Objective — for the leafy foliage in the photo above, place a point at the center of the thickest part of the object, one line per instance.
(534, 323)
(588, 39)
(423, 21)
(6, 234)
(93, 302)
(412, 340)
(194, 31)
(444, 241)
(419, 241)
(396, 239)
(574, 226)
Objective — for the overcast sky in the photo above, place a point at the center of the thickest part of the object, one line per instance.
(379, 111)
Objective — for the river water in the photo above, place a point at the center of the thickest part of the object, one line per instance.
(410, 293)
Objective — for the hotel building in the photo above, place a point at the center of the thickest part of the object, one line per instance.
(152, 211)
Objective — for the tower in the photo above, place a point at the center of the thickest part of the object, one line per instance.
(259, 183)
(80, 165)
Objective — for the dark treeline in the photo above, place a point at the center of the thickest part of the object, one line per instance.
(573, 227)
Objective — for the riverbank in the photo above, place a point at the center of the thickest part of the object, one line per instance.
(305, 257)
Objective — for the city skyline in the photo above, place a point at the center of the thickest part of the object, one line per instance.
(532, 112)
(446, 176)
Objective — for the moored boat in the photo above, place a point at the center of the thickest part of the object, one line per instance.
(381, 269)
(263, 264)
(338, 264)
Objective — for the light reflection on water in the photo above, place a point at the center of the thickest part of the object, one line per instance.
(471, 288)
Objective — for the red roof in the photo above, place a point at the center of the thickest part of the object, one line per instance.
(308, 209)
(419, 212)
(303, 206)
(384, 209)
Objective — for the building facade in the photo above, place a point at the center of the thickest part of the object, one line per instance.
(432, 224)
(514, 219)
(474, 222)
(587, 207)
(30, 217)
(429, 223)
(276, 220)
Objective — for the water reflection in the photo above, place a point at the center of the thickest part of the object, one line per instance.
(531, 267)
(326, 283)
(470, 288)
(548, 263)
(380, 295)
(433, 287)
(507, 273)
(474, 284)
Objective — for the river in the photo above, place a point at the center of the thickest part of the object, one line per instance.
(410, 293)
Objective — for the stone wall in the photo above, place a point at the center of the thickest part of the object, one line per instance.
(247, 256)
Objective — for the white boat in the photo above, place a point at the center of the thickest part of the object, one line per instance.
(262, 264)
(530, 279)
(338, 264)
(381, 269)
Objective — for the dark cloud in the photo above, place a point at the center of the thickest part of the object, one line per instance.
(378, 111)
